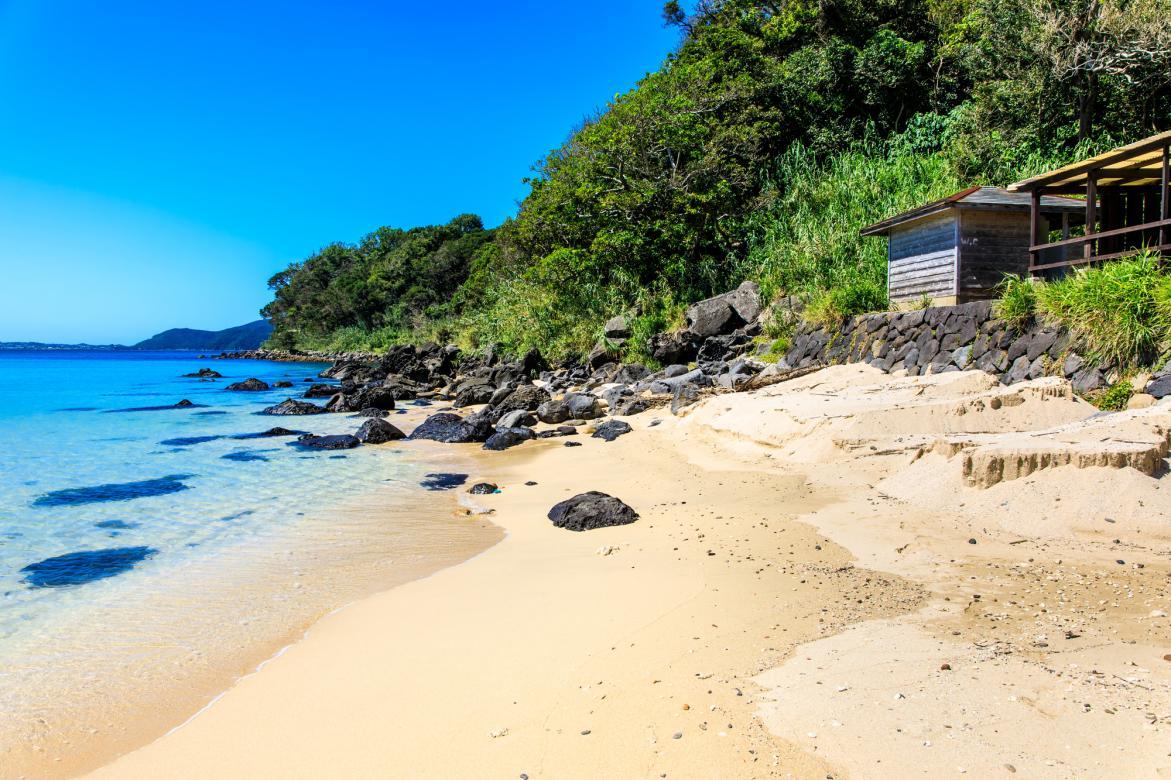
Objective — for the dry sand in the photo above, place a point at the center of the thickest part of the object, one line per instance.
(800, 598)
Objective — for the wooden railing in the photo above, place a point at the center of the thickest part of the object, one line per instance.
(1163, 244)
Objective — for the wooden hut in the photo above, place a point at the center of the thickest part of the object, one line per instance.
(958, 249)
(1126, 199)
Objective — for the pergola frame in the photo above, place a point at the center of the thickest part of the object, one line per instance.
(1117, 187)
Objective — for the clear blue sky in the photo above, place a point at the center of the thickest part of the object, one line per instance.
(159, 161)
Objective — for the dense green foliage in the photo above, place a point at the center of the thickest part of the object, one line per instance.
(388, 285)
(765, 141)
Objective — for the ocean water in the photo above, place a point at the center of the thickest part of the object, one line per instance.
(144, 546)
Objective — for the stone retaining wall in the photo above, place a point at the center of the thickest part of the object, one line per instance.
(947, 338)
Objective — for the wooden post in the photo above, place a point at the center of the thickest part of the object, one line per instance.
(1091, 212)
(1165, 194)
(1034, 228)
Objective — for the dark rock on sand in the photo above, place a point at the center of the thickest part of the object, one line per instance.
(483, 488)
(509, 437)
(583, 406)
(451, 428)
(78, 568)
(370, 411)
(293, 406)
(248, 385)
(573, 444)
(587, 511)
(342, 441)
(553, 412)
(612, 429)
(376, 431)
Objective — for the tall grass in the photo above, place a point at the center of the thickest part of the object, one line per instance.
(1121, 311)
(807, 239)
(1018, 300)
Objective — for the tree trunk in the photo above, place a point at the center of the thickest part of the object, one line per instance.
(1087, 104)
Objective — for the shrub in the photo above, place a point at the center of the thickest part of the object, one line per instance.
(1018, 300)
(1114, 398)
(829, 307)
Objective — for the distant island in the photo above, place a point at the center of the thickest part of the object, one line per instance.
(241, 337)
(248, 336)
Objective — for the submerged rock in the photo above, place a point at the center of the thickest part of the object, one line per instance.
(121, 491)
(587, 511)
(376, 431)
(78, 568)
(248, 385)
(291, 406)
(337, 441)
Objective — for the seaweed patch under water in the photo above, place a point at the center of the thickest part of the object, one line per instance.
(120, 491)
(245, 456)
(78, 568)
(186, 441)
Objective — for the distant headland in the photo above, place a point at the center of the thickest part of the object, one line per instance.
(240, 337)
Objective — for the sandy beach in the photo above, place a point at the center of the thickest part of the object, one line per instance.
(825, 580)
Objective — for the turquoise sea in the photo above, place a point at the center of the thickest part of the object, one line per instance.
(146, 548)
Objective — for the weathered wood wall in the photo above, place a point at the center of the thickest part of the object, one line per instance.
(992, 244)
(922, 259)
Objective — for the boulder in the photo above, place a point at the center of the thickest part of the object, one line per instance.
(370, 411)
(553, 412)
(712, 317)
(616, 328)
(248, 385)
(683, 396)
(678, 347)
(517, 418)
(451, 428)
(321, 391)
(342, 441)
(283, 384)
(473, 395)
(1159, 386)
(526, 397)
(293, 406)
(587, 511)
(205, 373)
(628, 406)
(509, 437)
(611, 430)
(583, 406)
(483, 488)
(377, 431)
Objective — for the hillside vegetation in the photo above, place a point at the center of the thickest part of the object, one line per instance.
(760, 147)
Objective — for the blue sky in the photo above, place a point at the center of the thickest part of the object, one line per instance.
(159, 161)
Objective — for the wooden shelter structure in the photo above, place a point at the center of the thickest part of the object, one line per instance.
(1126, 195)
(959, 248)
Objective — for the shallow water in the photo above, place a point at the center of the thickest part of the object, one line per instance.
(167, 546)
